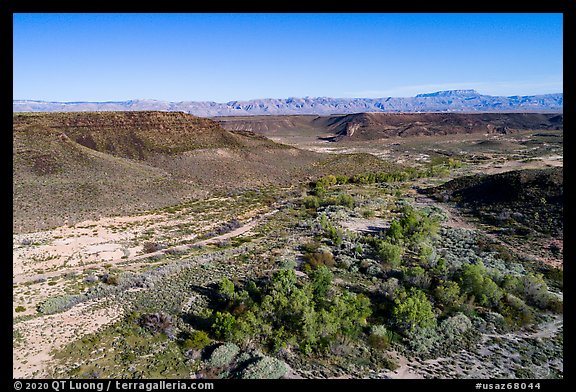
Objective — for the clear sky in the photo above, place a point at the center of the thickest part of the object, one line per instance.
(225, 57)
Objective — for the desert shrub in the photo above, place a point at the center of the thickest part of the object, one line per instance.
(422, 340)
(556, 276)
(476, 282)
(196, 341)
(367, 213)
(534, 290)
(417, 225)
(373, 269)
(379, 337)
(310, 247)
(59, 303)
(390, 288)
(493, 323)
(112, 280)
(265, 368)
(448, 294)
(515, 311)
(321, 280)
(345, 200)
(341, 179)
(345, 262)
(327, 181)
(223, 325)
(441, 270)
(427, 254)
(451, 334)
(390, 363)
(413, 309)
(287, 263)
(417, 276)
(311, 202)
(157, 323)
(395, 232)
(389, 254)
(91, 278)
(454, 326)
(20, 309)
(319, 258)
(358, 250)
(150, 247)
(223, 355)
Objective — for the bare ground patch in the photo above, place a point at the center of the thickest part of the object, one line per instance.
(38, 337)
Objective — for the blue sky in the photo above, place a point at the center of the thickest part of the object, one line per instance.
(225, 57)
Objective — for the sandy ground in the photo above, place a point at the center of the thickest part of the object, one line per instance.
(40, 336)
(72, 249)
(537, 163)
(108, 241)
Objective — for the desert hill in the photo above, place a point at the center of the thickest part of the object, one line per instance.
(70, 166)
(372, 126)
(74, 166)
(527, 200)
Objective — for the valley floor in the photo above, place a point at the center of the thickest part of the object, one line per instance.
(78, 289)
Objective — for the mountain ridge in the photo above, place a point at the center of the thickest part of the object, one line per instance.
(440, 101)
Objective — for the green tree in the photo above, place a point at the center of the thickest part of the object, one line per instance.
(389, 254)
(226, 289)
(415, 310)
(283, 282)
(224, 325)
(321, 280)
(475, 281)
(448, 294)
(394, 233)
(351, 310)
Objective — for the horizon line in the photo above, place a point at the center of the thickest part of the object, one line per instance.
(285, 98)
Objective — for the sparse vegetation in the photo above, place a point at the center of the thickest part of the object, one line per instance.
(340, 276)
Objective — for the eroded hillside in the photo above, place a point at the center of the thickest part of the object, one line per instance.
(74, 166)
(373, 126)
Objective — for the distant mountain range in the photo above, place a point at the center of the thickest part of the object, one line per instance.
(441, 101)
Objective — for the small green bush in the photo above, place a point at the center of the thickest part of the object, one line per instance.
(226, 289)
(389, 254)
(311, 202)
(379, 337)
(223, 355)
(265, 368)
(345, 200)
(367, 213)
(20, 309)
(59, 303)
(197, 341)
(413, 309)
(223, 325)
